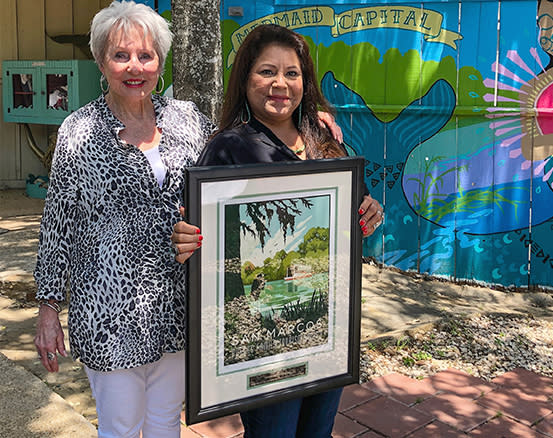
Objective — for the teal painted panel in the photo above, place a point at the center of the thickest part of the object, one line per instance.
(46, 92)
(450, 105)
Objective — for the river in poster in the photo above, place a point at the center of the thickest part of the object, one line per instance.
(278, 256)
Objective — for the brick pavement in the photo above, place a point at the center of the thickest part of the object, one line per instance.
(450, 404)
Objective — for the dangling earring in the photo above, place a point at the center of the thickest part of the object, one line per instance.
(160, 90)
(102, 80)
(245, 121)
(299, 114)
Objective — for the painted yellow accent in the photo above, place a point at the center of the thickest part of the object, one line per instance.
(424, 21)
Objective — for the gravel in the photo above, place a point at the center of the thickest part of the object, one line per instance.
(484, 346)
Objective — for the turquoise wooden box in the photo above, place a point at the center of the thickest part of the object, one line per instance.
(46, 92)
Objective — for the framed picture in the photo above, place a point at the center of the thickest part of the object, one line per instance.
(274, 291)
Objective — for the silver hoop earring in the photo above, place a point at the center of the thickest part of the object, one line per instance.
(102, 80)
(245, 121)
(160, 90)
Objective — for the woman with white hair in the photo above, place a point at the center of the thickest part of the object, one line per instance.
(115, 194)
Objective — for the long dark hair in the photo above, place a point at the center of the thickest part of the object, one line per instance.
(319, 142)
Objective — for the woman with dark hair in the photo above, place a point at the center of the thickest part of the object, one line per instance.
(270, 115)
(306, 116)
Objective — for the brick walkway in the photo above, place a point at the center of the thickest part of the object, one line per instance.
(447, 405)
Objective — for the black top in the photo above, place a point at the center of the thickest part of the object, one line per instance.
(245, 144)
(249, 143)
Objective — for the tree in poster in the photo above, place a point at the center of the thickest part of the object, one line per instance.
(261, 213)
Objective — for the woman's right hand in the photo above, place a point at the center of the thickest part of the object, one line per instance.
(49, 338)
(186, 239)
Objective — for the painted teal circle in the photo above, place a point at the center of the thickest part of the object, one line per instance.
(501, 163)
(473, 94)
(473, 77)
(538, 189)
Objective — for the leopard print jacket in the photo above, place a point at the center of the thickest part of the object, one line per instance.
(106, 231)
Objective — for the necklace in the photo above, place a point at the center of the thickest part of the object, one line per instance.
(300, 150)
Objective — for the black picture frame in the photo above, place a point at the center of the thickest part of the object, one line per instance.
(245, 347)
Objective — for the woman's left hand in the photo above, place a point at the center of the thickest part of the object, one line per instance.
(327, 120)
(371, 215)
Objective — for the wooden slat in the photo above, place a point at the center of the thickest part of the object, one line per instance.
(59, 21)
(8, 30)
(30, 29)
(83, 12)
(9, 140)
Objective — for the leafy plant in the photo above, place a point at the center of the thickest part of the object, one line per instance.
(308, 310)
(402, 343)
(435, 206)
(421, 355)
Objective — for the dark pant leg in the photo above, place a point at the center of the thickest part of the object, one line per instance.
(274, 421)
(317, 414)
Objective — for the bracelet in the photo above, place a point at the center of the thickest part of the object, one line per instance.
(54, 306)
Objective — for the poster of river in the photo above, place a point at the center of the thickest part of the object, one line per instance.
(278, 256)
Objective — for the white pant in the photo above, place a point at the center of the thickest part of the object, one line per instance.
(145, 399)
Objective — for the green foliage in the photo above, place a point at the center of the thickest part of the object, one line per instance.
(168, 72)
(271, 268)
(421, 355)
(315, 241)
(227, 28)
(247, 268)
(308, 310)
(313, 252)
(434, 205)
(248, 278)
(402, 343)
(267, 321)
(388, 86)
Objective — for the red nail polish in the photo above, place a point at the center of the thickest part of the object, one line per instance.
(199, 243)
(200, 238)
(361, 222)
(197, 231)
(361, 211)
(364, 229)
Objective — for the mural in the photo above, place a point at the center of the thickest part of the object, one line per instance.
(452, 113)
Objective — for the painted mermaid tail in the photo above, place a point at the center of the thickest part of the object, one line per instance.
(416, 123)
(451, 190)
(366, 135)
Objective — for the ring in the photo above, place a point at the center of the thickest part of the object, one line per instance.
(50, 355)
(176, 249)
(377, 225)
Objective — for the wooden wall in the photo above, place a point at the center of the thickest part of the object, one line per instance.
(24, 29)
